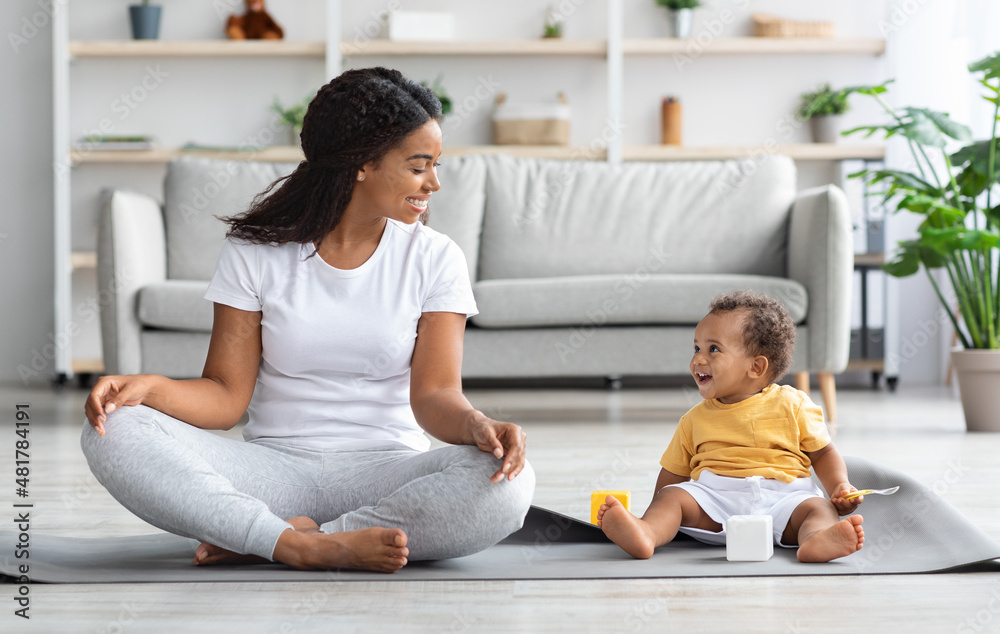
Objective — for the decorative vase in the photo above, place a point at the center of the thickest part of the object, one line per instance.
(145, 20)
(680, 20)
(978, 374)
(825, 128)
(670, 115)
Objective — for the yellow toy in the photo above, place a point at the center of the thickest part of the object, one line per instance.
(597, 499)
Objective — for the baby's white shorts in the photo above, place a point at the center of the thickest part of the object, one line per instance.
(722, 497)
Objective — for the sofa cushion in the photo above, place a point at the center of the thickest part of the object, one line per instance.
(647, 298)
(197, 190)
(456, 210)
(556, 218)
(176, 305)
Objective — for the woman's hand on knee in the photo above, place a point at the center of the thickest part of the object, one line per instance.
(112, 392)
(506, 441)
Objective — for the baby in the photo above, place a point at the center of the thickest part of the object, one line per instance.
(747, 448)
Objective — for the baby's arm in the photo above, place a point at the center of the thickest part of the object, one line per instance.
(832, 472)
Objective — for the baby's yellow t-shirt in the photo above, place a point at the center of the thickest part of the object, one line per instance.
(766, 435)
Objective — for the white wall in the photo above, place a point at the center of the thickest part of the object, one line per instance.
(727, 100)
(26, 275)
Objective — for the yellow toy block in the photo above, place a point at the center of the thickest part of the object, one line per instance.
(597, 499)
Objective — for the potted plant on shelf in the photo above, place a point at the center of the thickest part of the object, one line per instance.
(292, 116)
(681, 13)
(823, 108)
(439, 91)
(553, 24)
(957, 196)
(145, 19)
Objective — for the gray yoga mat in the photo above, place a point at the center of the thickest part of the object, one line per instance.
(910, 532)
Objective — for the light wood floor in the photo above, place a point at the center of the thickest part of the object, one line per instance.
(580, 440)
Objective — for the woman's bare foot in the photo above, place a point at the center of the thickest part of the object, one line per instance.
(628, 531)
(374, 549)
(211, 555)
(840, 540)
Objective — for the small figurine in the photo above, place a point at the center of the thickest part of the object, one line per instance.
(255, 24)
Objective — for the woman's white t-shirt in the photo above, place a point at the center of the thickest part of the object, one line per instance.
(337, 344)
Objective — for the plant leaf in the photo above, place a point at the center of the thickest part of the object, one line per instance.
(920, 129)
(990, 65)
(869, 129)
(870, 90)
(941, 121)
(973, 178)
(993, 216)
(900, 180)
(907, 260)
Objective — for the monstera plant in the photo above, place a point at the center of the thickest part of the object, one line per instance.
(956, 195)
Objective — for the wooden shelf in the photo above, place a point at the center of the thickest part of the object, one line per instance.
(660, 46)
(277, 154)
(83, 259)
(88, 366)
(479, 47)
(555, 152)
(869, 259)
(196, 48)
(755, 46)
(799, 152)
(865, 365)
(289, 154)
(593, 48)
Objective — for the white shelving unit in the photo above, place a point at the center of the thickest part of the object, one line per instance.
(64, 53)
(614, 49)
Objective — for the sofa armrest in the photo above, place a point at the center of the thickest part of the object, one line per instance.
(821, 258)
(131, 253)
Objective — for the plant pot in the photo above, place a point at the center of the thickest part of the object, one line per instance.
(294, 136)
(978, 374)
(145, 21)
(826, 128)
(680, 21)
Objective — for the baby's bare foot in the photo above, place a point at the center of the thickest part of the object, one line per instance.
(628, 531)
(840, 540)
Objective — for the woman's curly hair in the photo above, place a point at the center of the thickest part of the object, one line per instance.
(355, 119)
(768, 329)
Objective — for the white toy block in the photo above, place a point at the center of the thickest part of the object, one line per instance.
(749, 538)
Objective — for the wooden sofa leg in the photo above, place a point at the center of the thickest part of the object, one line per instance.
(828, 389)
(802, 381)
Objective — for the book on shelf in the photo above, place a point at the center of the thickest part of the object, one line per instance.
(115, 142)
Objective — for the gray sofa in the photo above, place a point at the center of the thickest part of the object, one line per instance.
(580, 269)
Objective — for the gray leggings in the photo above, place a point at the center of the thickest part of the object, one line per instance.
(237, 494)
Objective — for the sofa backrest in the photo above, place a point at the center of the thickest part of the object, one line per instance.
(456, 210)
(556, 218)
(197, 190)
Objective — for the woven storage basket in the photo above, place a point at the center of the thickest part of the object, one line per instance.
(531, 124)
(770, 26)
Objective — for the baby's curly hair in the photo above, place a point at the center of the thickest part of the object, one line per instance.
(768, 329)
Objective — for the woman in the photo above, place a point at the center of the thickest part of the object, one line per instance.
(338, 323)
